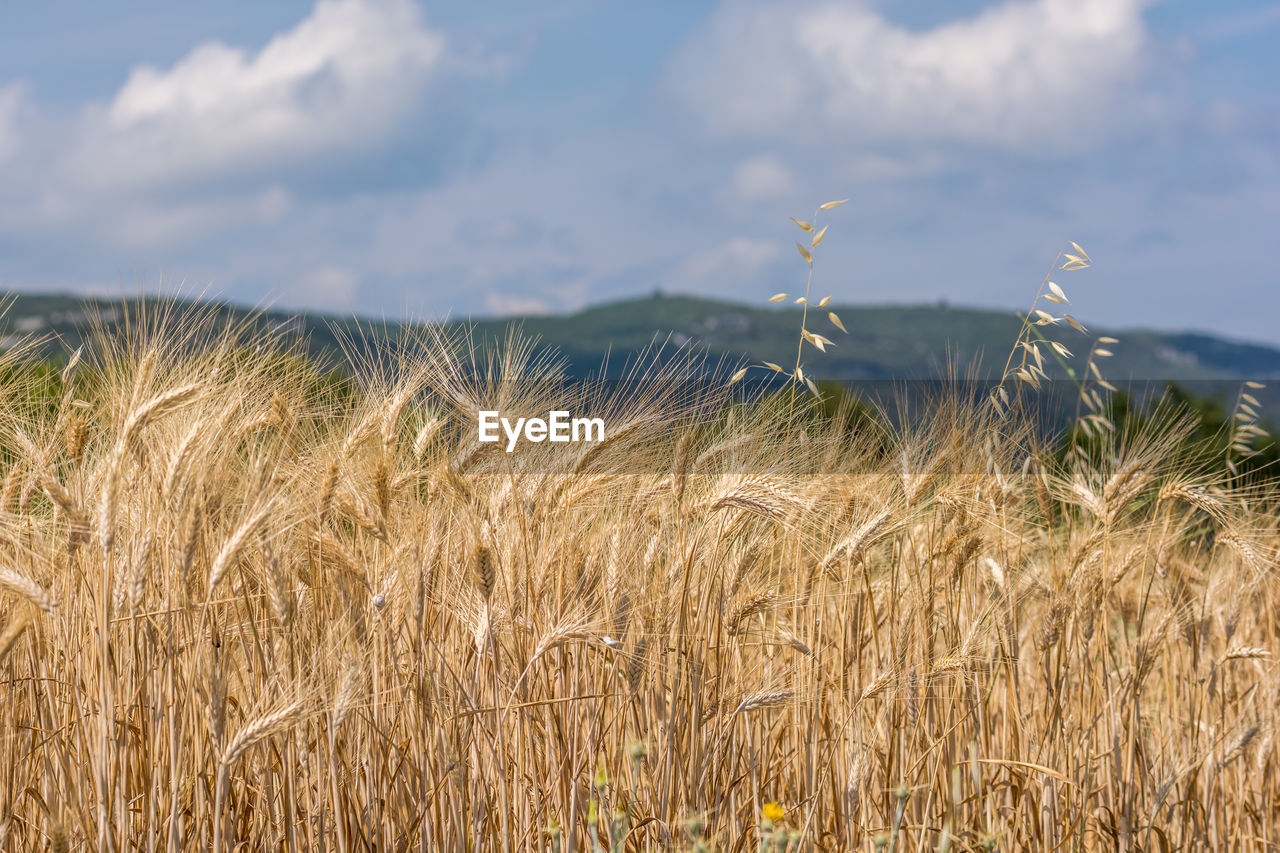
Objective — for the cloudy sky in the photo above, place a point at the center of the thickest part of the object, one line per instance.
(402, 158)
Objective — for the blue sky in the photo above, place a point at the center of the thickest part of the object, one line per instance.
(396, 158)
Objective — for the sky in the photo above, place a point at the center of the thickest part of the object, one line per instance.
(405, 159)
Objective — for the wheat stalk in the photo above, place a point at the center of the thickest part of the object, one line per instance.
(24, 586)
(258, 729)
(231, 549)
(763, 699)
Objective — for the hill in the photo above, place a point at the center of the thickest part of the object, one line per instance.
(883, 342)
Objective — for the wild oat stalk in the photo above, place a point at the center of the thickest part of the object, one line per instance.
(818, 341)
(1028, 369)
(1244, 431)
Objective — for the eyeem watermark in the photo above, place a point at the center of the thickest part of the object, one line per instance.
(560, 426)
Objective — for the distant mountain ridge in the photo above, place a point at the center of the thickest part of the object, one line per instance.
(883, 342)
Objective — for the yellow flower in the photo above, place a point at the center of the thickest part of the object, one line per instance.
(774, 812)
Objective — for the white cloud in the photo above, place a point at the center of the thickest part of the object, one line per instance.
(339, 79)
(1020, 73)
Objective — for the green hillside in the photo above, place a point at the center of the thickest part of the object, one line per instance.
(883, 342)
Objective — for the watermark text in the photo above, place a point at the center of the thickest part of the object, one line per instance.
(558, 426)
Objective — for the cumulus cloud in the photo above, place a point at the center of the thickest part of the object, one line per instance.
(339, 79)
(1018, 74)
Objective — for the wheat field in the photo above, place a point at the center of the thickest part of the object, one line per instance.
(244, 607)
